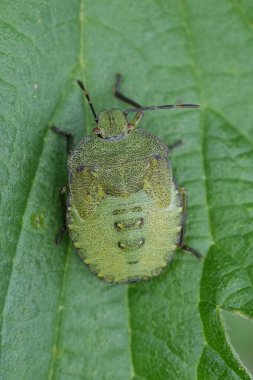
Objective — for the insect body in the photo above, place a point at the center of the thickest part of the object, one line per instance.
(124, 213)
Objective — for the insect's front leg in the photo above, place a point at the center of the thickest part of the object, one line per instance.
(181, 243)
(68, 136)
(118, 93)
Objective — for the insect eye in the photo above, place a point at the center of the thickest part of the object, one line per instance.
(97, 131)
(130, 126)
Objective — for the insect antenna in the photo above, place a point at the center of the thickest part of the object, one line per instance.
(163, 107)
(86, 94)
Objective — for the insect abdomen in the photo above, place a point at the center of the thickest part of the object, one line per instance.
(127, 238)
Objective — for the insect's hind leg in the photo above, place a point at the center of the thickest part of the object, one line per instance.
(68, 136)
(118, 94)
(63, 191)
(181, 243)
(176, 144)
(59, 236)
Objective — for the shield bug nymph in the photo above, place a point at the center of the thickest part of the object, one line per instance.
(125, 214)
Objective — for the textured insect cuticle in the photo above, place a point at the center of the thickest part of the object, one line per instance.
(94, 171)
(156, 271)
(108, 278)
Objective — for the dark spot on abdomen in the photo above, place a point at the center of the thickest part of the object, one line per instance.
(131, 245)
(124, 210)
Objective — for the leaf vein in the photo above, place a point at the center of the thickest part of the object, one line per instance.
(244, 15)
(59, 313)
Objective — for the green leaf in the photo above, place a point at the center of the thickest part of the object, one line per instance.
(57, 320)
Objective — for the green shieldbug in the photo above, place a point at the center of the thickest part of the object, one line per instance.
(125, 214)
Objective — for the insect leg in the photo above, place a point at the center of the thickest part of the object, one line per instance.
(175, 145)
(119, 95)
(186, 248)
(63, 229)
(183, 195)
(137, 118)
(181, 243)
(68, 136)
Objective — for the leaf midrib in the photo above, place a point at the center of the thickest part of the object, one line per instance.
(59, 315)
